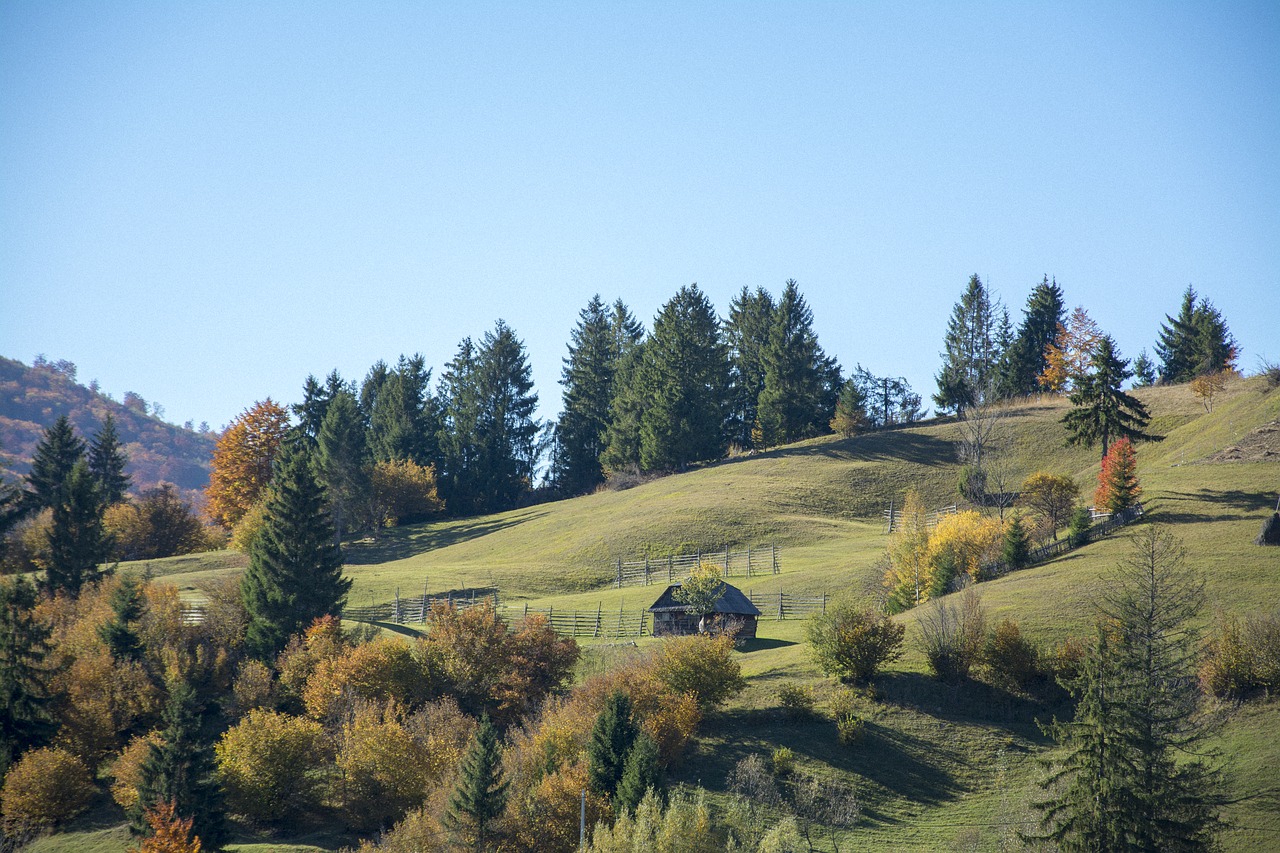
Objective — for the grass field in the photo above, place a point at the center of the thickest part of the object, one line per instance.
(941, 767)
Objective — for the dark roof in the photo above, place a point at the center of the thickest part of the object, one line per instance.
(731, 600)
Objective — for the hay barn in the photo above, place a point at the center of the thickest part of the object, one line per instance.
(732, 611)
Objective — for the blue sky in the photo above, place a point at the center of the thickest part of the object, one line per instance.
(205, 202)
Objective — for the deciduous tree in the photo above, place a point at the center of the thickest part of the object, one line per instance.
(1068, 360)
(908, 575)
(1052, 496)
(242, 460)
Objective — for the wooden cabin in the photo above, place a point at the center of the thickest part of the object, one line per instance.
(733, 611)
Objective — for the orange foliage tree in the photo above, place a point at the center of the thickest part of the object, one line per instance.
(1068, 358)
(169, 832)
(241, 466)
(1118, 482)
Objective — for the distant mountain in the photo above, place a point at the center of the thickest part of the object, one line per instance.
(32, 398)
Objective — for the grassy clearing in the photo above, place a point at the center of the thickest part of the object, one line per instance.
(940, 767)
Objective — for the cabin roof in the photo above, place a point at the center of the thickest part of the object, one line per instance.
(731, 600)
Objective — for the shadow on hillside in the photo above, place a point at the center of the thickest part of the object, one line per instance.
(870, 447)
(402, 542)
(1179, 507)
(759, 644)
(972, 701)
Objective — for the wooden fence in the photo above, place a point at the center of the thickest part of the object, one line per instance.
(598, 623)
(750, 563)
(892, 517)
(404, 611)
(1105, 523)
(787, 605)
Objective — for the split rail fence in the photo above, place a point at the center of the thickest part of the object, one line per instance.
(753, 562)
(404, 611)
(1104, 524)
(893, 516)
(787, 605)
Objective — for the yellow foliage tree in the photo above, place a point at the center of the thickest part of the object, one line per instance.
(242, 458)
(384, 770)
(908, 575)
(960, 545)
(701, 666)
(1052, 496)
(404, 492)
(1068, 358)
(272, 765)
(383, 669)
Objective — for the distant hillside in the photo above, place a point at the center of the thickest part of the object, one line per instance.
(32, 398)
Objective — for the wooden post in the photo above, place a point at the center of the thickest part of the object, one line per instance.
(781, 614)
(526, 610)
(774, 549)
(668, 568)
(599, 610)
(726, 561)
(396, 619)
(824, 603)
(619, 573)
(646, 569)
(748, 562)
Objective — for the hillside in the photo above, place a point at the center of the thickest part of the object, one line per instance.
(32, 398)
(940, 767)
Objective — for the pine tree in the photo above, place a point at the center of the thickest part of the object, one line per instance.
(597, 345)
(971, 351)
(1016, 551)
(751, 318)
(685, 378)
(481, 795)
(800, 382)
(107, 460)
(371, 387)
(25, 719)
(295, 567)
(1144, 371)
(507, 435)
(77, 540)
(1024, 360)
(1103, 413)
(640, 774)
(612, 738)
(179, 769)
(127, 607)
(56, 454)
(342, 462)
(1176, 343)
(1215, 348)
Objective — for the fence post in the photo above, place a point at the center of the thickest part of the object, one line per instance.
(619, 573)
(396, 619)
(646, 569)
(726, 561)
(668, 568)
(824, 603)
(526, 610)
(748, 562)
(599, 609)
(774, 549)
(781, 614)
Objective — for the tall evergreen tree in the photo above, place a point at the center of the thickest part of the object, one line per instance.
(622, 437)
(481, 794)
(459, 433)
(800, 382)
(685, 378)
(1025, 358)
(404, 422)
(106, 462)
(57, 453)
(971, 351)
(1102, 412)
(1195, 342)
(342, 462)
(371, 387)
(640, 774)
(597, 344)
(25, 719)
(77, 540)
(295, 567)
(179, 769)
(507, 448)
(127, 607)
(315, 403)
(747, 335)
(612, 737)
(851, 410)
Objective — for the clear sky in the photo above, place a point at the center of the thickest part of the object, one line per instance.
(204, 202)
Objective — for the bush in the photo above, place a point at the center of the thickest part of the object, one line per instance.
(245, 530)
(853, 642)
(126, 770)
(1014, 662)
(404, 492)
(45, 787)
(383, 669)
(702, 666)
(1078, 528)
(253, 688)
(784, 761)
(1068, 658)
(952, 638)
(849, 722)
(1243, 657)
(384, 770)
(798, 699)
(272, 765)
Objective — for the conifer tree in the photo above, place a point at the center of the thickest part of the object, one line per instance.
(1103, 413)
(371, 387)
(612, 739)
(507, 435)
(295, 567)
(460, 406)
(1194, 343)
(404, 422)
(640, 774)
(179, 769)
(1144, 371)
(851, 410)
(1024, 360)
(342, 462)
(25, 719)
(57, 453)
(1016, 550)
(971, 351)
(622, 437)
(685, 379)
(1118, 481)
(77, 540)
(127, 607)
(106, 462)
(481, 794)
(751, 318)
(800, 381)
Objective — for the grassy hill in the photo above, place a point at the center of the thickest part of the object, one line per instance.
(941, 767)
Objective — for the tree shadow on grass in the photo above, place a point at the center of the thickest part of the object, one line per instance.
(402, 542)
(971, 701)
(759, 644)
(1173, 507)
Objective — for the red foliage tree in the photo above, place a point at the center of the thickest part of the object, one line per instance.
(1118, 482)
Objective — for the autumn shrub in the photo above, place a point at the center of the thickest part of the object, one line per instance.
(170, 832)
(669, 717)
(158, 523)
(545, 817)
(45, 787)
(852, 642)
(797, 699)
(1068, 656)
(684, 825)
(296, 664)
(443, 732)
(783, 761)
(1012, 659)
(702, 666)
(273, 766)
(404, 492)
(850, 723)
(126, 770)
(1242, 656)
(961, 544)
(246, 527)
(384, 669)
(952, 638)
(253, 688)
(384, 771)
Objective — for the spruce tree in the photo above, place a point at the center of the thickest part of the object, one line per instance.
(1015, 553)
(295, 567)
(371, 387)
(971, 351)
(747, 335)
(481, 794)
(1102, 412)
(622, 437)
(685, 379)
(57, 453)
(640, 774)
(800, 381)
(25, 719)
(404, 421)
(78, 543)
(107, 460)
(1176, 343)
(612, 738)
(851, 410)
(127, 607)
(342, 462)
(179, 769)
(1025, 358)
(459, 432)
(507, 435)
